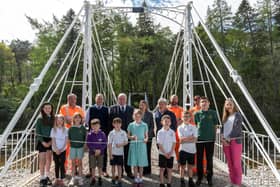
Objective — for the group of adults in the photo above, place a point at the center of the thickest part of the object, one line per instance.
(201, 118)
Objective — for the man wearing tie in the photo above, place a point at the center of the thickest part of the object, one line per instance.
(101, 112)
(125, 112)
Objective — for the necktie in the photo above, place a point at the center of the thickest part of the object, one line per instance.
(122, 108)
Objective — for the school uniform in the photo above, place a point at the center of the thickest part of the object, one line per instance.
(206, 122)
(114, 138)
(96, 141)
(60, 135)
(124, 112)
(187, 150)
(166, 138)
(77, 136)
(137, 155)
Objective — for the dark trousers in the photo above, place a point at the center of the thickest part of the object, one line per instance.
(147, 170)
(59, 161)
(104, 168)
(127, 168)
(209, 149)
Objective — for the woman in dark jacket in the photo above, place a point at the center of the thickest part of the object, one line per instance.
(232, 143)
(148, 118)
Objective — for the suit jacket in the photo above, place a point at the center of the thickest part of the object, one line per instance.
(126, 116)
(102, 114)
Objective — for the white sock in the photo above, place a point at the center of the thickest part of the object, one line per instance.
(47, 174)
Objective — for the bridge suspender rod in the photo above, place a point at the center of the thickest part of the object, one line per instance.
(35, 85)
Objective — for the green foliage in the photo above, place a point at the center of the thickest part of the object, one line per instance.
(138, 56)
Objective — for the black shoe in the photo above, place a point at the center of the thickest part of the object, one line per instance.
(161, 185)
(88, 175)
(198, 182)
(43, 182)
(99, 181)
(105, 174)
(210, 183)
(48, 180)
(168, 185)
(182, 182)
(119, 184)
(191, 183)
(130, 176)
(92, 183)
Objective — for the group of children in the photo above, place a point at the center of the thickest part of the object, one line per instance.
(96, 142)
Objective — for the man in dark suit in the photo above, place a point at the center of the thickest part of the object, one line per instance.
(125, 112)
(101, 112)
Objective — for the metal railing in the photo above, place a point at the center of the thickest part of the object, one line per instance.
(27, 157)
(255, 169)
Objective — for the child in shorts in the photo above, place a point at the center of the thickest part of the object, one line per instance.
(77, 137)
(117, 139)
(166, 142)
(97, 143)
(187, 138)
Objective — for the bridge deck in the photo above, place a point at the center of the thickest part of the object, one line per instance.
(220, 178)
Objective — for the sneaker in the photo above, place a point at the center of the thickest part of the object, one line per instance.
(198, 182)
(49, 182)
(182, 181)
(81, 181)
(72, 181)
(191, 183)
(43, 182)
(168, 185)
(88, 175)
(210, 183)
(119, 184)
(161, 185)
(99, 181)
(92, 183)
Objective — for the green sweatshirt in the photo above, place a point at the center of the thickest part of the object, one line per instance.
(43, 131)
(77, 133)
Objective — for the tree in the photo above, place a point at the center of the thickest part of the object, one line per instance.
(21, 49)
(7, 61)
(219, 18)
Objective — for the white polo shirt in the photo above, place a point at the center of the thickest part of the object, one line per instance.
(117, 137)
(185, 130)
(166, 138)
(60, 135)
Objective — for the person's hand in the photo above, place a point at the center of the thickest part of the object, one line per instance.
(134, 138)
(57, 152)
(45, 144)
(118, 145)
(166, 155)
(224, 142)
(145, 140)
(97, 152)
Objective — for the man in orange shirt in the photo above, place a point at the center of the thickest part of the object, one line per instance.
(68, 110)
(178, 111)
(195, 108)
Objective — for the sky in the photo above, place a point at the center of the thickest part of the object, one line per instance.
(14, 24)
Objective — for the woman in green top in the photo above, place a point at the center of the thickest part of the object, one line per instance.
(43, 130)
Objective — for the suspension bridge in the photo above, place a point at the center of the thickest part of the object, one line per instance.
(261, 152)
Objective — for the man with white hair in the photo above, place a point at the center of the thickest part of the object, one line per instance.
(125, 112)
(161, 111)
